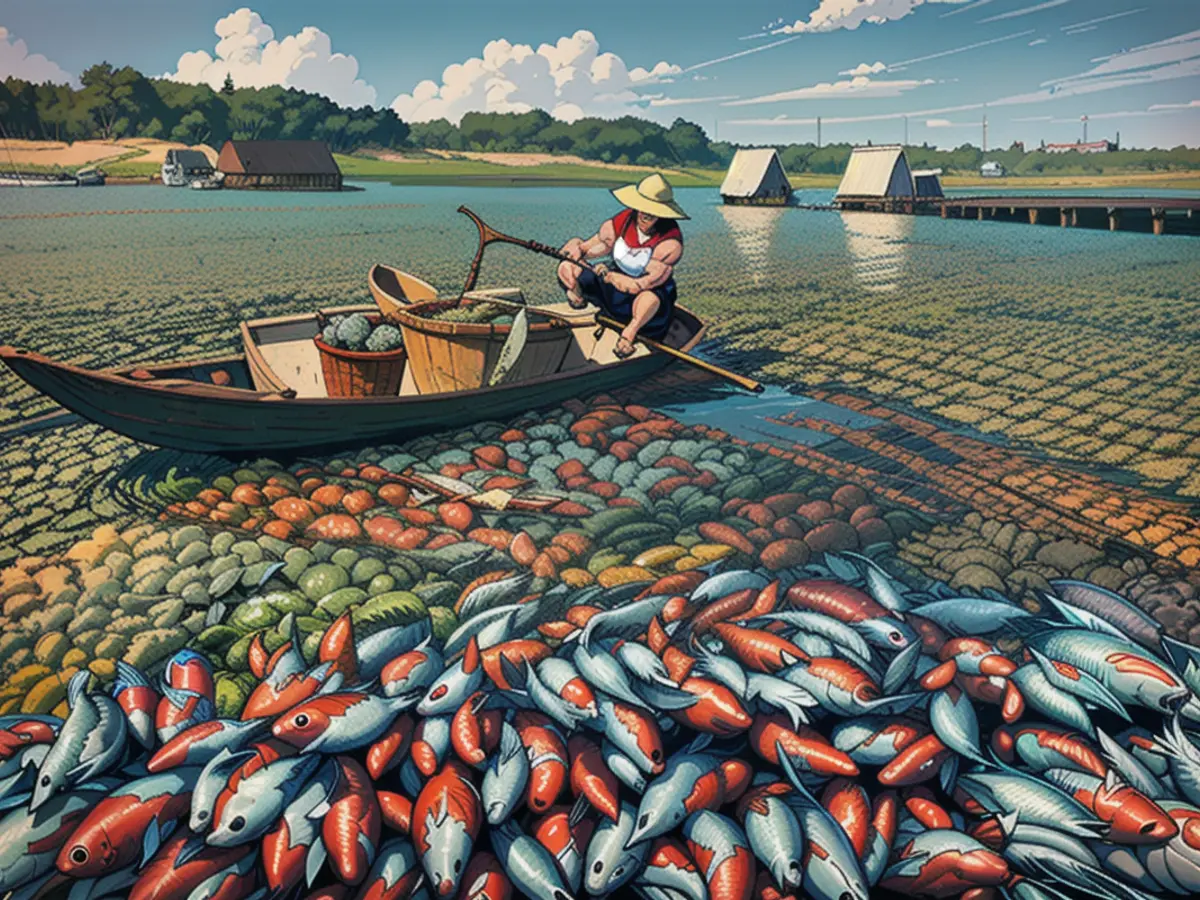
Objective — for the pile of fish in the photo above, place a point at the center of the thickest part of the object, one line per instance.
(824, 731)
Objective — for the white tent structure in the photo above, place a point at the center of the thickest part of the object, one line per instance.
(756, 178)
(877, 178)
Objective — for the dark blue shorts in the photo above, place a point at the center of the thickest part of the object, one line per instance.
(619, 304)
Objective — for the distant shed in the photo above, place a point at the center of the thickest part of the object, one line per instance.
(877, 178)
(756, 178)
(279, 165)
(927, 183)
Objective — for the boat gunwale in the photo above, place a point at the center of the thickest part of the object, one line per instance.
(212, 392)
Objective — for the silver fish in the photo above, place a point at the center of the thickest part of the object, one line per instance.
(1133, 675)
(17, 774)
(454, 685)
(258, 800)
(1183, 759)
(1034, 801)
(544, 686)
(396, 860)
(623, 623)
(845, 639)
(601, 670)
(727, 583)
(91, 742)
(610, 862)
(1045, 699)
(212, 780)
(1132, 771)
(505, 777)
(614, 728)
(662, 805)
(494, 593)
(377, 650)
(836, 874)
(1112, 608)
(1078, 683)
(642, 662)
(663, 879)
(776, 838)
(623, 767)
(775, 693)
(529, 865)
(971, 616)
(953, 718)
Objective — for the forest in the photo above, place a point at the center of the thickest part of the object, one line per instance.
(114, 103)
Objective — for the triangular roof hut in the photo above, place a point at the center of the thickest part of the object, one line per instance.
(876, 173)
(756, 177)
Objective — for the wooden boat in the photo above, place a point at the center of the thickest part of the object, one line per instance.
(457, 356)
(272, 397)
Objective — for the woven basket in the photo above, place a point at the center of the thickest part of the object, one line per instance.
(350, 373)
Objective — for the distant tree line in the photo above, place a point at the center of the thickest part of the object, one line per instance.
(121, 103)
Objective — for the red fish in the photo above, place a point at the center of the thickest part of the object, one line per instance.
(548, 759)
(717, 709)
(759, 650)
(591, 778)
(188, 695)
(475, 731)
(847, 802)
(1132, 816)
(485, 879)
(809, 750)
(114, 834)
(722, 853)
(166, 879)
(138, 700)
(565, 841)
(351, 827)
(445, 824)
(338, 722)
(388, 751)
(919, 762)
(199, 744)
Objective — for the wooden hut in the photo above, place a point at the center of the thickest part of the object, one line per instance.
(756, 178)
(927, 184)
(279, 165)
(877, 178)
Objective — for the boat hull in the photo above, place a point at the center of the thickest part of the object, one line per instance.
(206, 418)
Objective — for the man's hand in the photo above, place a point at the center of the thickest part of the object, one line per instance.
(573, 249)
(602, 271)
(623, 283)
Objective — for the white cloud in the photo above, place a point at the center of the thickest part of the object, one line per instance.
(1038, 42)
(1194, 104)
(865, 69)
(1025, 11)
(16, 61)
(571, 78)
(1120, 15)
(688, 101)
(859, 87)
(963, 9)
(848, 120)
(248, 52)
(832, 15)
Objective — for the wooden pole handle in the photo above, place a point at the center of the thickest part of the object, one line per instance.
(741, 381)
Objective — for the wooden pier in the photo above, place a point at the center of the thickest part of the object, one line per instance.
(1155, 215)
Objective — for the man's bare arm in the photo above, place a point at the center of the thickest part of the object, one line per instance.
(599, 244)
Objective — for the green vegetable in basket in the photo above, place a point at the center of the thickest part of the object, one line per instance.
(354, 331)
(385, 338)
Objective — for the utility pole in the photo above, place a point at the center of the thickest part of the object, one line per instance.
(818, 132)
(906, 131)
(985, 132)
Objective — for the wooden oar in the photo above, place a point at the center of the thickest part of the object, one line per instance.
(489, 235)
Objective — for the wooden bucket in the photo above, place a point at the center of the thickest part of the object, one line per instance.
(350, 373)
(460, 356)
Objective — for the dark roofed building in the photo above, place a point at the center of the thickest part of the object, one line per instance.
(279, 165)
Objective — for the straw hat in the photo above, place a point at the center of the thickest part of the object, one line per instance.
(651, 195)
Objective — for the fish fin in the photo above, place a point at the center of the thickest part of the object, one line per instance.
(948, 773)
(902, 667)
(699, 742)
(510, 743)
(1082, 618)
(15, 800)
(841, 568)
(77, 686)
(152, 839)
(82, 889)
(130, 676)
(578, 810)
(190, 849)
(512, 673)
(314, 860)
(332, 684)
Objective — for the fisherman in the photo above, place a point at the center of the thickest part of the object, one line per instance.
(645, 244)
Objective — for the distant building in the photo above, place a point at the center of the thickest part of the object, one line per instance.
(279, 165)
(756, 178)
(181, 167)
(927, 183)
(991, 169)
(1078, 147)
(877, 178)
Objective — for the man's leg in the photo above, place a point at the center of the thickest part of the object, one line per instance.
(568, 277)
(645, 305)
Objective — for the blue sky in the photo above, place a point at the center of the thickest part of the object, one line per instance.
(753, 71)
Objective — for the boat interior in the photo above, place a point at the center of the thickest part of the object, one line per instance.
(291, 360)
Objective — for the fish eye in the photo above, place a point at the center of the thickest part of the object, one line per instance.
(656, 755)
(598, 867)
(1147, 828)
(896, 637)
(202, 815)
(794, 865)
(439, 692)
(678, 816)
(644, 820)
(457, 866)
(79, 855)
(45, 781)
(617, 871)
(301, 720)
(237, 824)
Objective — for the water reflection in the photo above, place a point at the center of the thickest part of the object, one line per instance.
(878, 246)
(752, 228)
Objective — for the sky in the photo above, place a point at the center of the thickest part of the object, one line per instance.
(751, 71)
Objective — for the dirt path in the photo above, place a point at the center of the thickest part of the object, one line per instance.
(59, 154)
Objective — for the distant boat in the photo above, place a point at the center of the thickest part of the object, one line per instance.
(181, 168)
(38, 179)
(89, 177)
(212, 183)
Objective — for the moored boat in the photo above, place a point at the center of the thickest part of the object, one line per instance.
(272, 397)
